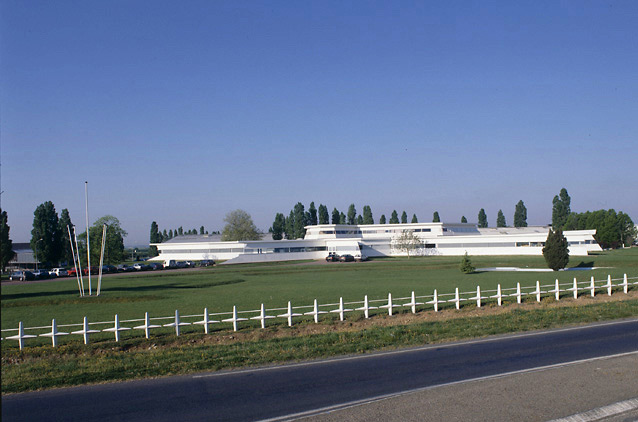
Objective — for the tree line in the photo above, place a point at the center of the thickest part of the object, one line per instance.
(50, 240)
(158, 236)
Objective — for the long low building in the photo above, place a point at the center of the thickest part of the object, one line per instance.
(375, 240)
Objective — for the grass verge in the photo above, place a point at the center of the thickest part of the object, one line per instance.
(43, 367)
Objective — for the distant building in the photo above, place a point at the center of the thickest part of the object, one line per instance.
(24, 257)
(375, 240)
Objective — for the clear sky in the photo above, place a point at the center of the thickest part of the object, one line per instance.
(181, 111)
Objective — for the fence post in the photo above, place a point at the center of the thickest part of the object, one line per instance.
(234, 319)
(341, 309)
(434, 301)
(85, 331)
(116, 328)
(413, 303)
(147, 325)
(593, 287)
(21, 336)
(478, 297)
(625, 284)
(262, 316)
(556, 291)
(205, 321)
(498, 295)
(177, 323)
(315, 312)
(54, 333)
(538, 291)
(389, 305)
(609, 285)
(456, 299)
(574, 289)
(366, 307)
(289, 314)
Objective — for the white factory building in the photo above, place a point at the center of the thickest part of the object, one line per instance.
(375, 240)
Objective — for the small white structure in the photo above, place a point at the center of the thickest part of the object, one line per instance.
(372, 240)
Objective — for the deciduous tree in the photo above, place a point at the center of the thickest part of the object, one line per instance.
(382, 219)
(45, 237)
(154, 238)
(407, 242)
(435, 217)
(463, 219)
(113, 245)
(312, 215)
(240, 226)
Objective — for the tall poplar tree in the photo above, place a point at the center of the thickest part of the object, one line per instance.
(300, 221)
(312, 215)
(336, 216)
(382, 219)
(404, 218)
(561, 207)
(482, 219)
(436, 218)
(463, 219)
(500, 219)
(367, 215)
(394, 218)
(352, 214)
(414, 219)
(520, 215)
(6, 245)
(278, 227)
(154, 238)
(64, 224)
(324, 217)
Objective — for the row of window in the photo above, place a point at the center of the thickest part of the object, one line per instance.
(374, 231)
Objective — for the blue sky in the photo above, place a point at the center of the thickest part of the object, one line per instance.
(180, 112)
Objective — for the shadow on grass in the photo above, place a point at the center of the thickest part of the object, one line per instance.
(129, 289)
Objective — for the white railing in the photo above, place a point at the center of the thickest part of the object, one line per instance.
(205, 319)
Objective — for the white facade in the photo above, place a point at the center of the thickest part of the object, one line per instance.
(376, 240)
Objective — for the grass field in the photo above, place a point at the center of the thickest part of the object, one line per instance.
(247, 286)
(41, 366)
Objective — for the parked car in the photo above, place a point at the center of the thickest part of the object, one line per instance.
(190, 264)
(109, 269)
(332, 257)
(22, 276)
(181, 264)
(170, 264)
(346, 258)
(123, 268)
(94, 271)
(59, 272)
(360, 257)
(141, 267)
(41, 274)
(155, 266)
(206, 263)
(72, 272)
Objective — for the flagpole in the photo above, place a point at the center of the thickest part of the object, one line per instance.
(88, 243)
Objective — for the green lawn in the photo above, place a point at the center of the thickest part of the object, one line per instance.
(247, 286)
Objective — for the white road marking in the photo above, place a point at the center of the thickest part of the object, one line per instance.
(602, 412)
(355, 403)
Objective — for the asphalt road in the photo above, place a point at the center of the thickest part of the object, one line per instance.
(272, 392)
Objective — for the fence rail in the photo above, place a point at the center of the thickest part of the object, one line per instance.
(416, 304)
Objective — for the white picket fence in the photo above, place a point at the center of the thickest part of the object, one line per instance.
(413, 302)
